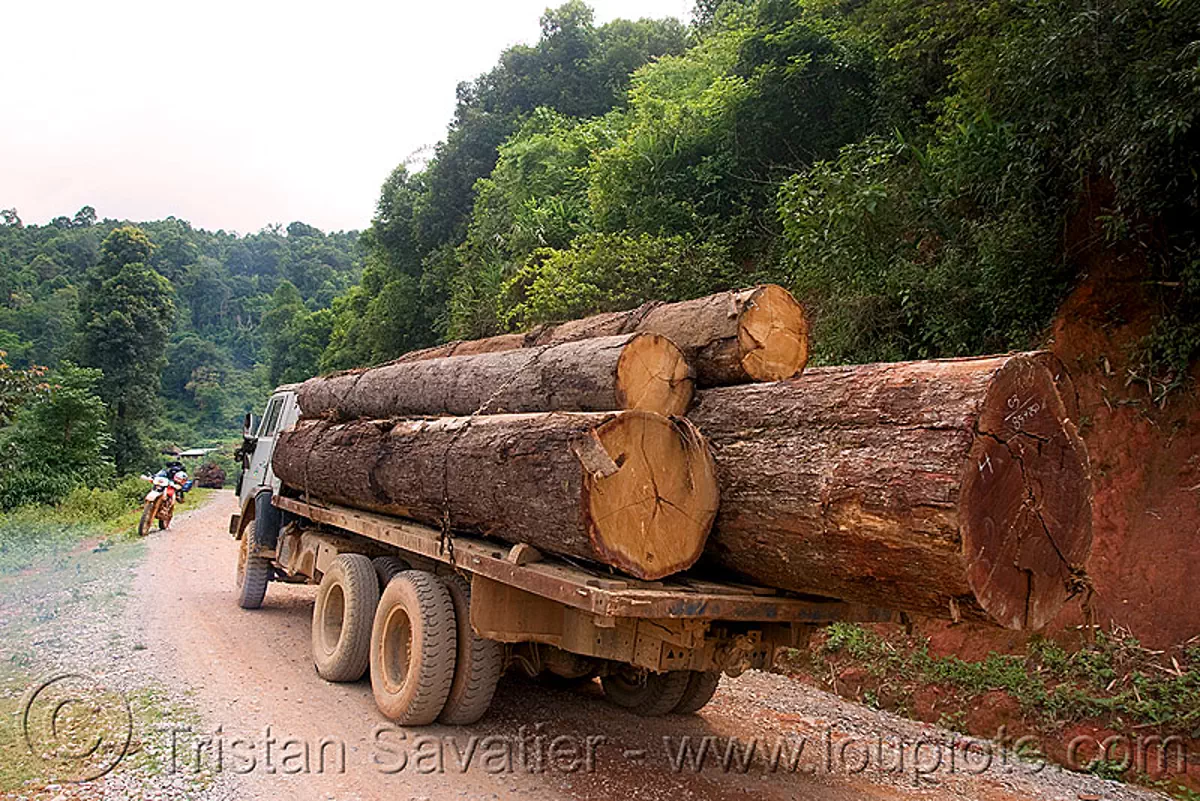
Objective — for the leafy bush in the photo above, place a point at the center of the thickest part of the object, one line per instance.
(102, 505)
(24, 486)
(603, 272)
(907, 252)
(31, 534)
(57, 441)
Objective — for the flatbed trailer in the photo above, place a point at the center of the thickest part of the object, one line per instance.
(657, 646)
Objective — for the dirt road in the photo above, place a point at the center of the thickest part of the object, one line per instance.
(270, 728)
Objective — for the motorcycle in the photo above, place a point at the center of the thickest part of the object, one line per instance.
(159, 504)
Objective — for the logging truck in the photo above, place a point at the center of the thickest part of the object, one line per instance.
(436, 616)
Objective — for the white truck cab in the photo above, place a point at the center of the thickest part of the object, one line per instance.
(258, 446)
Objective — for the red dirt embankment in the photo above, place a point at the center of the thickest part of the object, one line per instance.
(1145, 459)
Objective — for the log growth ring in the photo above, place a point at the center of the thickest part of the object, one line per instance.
(654, 375)
(651, 517)
(772, 335)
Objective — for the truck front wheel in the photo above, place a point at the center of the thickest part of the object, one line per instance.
(701, 687)
(413, 646)
(253, 574)
(342, 615)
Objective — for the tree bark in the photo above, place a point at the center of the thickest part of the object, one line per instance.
(632, 371)
(629, 489)
(758, 334)
(954, 488)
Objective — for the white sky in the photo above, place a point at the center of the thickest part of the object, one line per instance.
(235, 115)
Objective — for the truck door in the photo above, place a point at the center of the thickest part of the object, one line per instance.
(259, 474)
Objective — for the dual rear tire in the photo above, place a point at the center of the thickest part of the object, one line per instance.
(342, 618)
(426, 662)
(652, 694)
(415, 637)
(412, 649)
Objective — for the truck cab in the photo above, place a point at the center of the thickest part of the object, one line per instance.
(258, 446)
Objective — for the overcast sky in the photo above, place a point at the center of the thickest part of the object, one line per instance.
(238, 114)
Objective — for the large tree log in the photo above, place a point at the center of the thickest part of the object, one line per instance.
(630, 489)
(631, 371)
(758, 334)
(953, 488)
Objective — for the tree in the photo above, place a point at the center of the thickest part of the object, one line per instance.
(416, 260)
(187, 356)
(127, 245)
(299, 230)
(295, 337)
(84, 218)
(125, 335)
(57, 441)
(17, 387)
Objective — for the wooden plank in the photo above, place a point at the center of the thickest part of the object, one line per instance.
(576, 588)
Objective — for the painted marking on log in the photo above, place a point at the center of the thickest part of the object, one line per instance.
(1023, 411)
(986, 462)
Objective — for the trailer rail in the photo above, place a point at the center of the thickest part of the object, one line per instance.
(586, 588)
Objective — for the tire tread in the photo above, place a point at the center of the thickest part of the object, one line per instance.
(432, 665)
(360, 586)
(478, 665)
(662, 693)
(701, 686)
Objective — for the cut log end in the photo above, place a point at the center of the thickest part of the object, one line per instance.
(1026, 500)
(653, 375)
(772, 335)
(652, 516)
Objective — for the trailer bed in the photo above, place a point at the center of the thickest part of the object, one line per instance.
(584, 587)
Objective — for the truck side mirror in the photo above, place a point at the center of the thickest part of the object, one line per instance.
(248, 425)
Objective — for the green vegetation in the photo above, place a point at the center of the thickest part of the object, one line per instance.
(45, 616)
(1113, 679)
(914, 170)
(910, 169)
(37, 535)
(1111, 685)
(117, 340)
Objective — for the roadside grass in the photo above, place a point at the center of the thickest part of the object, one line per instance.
(163, 728)
(18, 765)
(1114, 678)
(150, 752)
(44, 535)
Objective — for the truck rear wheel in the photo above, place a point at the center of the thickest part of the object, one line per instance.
(387, 568)
(413, 648)
(644, 692)
(701, 686)
(342, 615)
(478, 665)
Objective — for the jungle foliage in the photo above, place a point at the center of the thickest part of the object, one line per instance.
(910, 169)
(118, 339)
(907, 167)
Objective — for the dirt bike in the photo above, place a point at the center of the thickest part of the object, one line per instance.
(159, 504)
